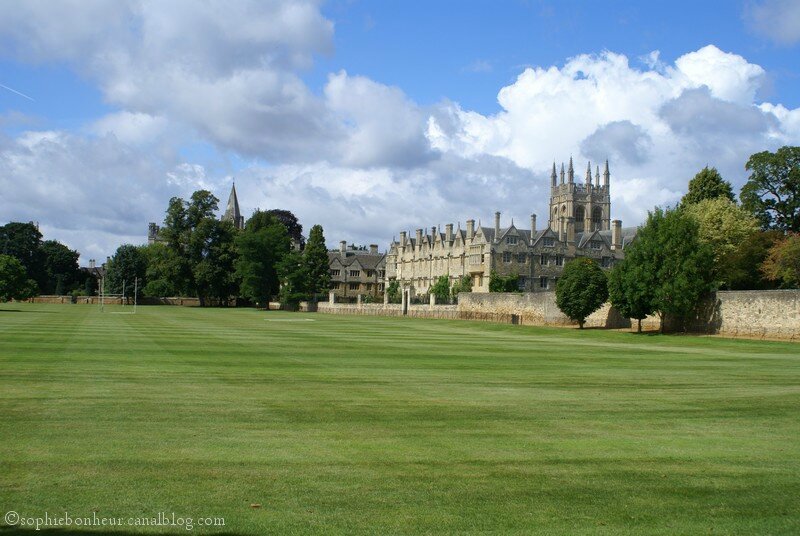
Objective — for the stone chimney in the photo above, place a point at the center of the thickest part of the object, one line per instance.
(496, 226)
(570, 229)
(419, 238)
(373, 249)
(343, 248)
(448, 232)
(616, 234)
(470, 229)
(433, 234)
(533, 224)
(402, 238)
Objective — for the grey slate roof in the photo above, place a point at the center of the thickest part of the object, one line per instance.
(366, 260)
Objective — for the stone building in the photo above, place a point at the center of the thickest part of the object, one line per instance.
(579, 225)
(357, 272)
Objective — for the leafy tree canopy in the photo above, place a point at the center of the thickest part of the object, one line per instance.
(261, 245)
(441, 289)
(581, 289)
(292, 224)
(500, 283)
(315, 256)
(723, 226)
(463, 284)
(772, 192)
(669, 255)
(631, 291)
(742, 267)
(393, 292)
(783, 262)
(708, 184)
(128, 263)
(14, 281)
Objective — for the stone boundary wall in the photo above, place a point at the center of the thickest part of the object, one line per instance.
(143, 300)
(763, 314)
(448, 312)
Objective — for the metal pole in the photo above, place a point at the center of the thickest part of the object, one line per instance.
(135, 294)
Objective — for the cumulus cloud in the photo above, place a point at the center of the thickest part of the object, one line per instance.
(657, 126)
(776, 20)
(94, 193)
(360, 156)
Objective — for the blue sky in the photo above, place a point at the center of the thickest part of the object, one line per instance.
(376, 117)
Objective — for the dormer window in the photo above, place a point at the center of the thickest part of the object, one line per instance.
(595, 244)
(549, 242)
(511, 240)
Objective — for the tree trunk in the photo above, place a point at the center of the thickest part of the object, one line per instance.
(639, 327)
(661, 322)
(580, 324)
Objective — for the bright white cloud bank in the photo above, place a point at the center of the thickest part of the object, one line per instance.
(361, 158)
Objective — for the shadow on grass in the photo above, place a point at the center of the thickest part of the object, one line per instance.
(25, 311)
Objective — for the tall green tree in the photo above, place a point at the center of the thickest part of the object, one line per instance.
(164, 269)
(742, 267)
(708, 184)
(60, 267)
(441, 289)
(293, 275)
(581, 289)
(772, 192)
(315, 255)
(723, 226)
(631, 289)
(261, 245)
(24, 241)
(128, 264)
(292, 224)
(14, 281)
(783, 262)
(670, 255)
(213, 255)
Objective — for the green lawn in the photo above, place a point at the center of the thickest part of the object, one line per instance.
(337, 424)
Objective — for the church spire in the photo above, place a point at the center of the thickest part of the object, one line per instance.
(553, 175)
(232, 212)
(562, 172)
(589, 175)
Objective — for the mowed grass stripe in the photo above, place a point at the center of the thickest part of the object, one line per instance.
(394, 425)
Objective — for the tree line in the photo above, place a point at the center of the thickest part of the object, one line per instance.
(30, 265)
(707, 242)
(197, 254)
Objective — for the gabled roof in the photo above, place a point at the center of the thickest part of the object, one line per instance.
(363, 259)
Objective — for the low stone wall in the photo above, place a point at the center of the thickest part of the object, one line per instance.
(767, 314)
(143, 300)
(531, 309)
(391, 309)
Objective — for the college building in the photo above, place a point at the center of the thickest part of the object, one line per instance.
(357, 272)
(579, 225)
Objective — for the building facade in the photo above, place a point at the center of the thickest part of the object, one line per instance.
(357, 272)
(579, 225)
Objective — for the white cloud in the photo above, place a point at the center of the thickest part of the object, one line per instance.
(658, 126)
(362, 158)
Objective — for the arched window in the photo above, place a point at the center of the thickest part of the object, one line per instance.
(580, 216)
(597, 218)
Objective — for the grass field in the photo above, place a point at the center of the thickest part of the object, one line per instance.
(338, 424)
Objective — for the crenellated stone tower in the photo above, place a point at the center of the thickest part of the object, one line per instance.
(586, 205)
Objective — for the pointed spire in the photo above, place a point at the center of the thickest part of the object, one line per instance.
(570, 172)
(597, 176)
(553, 174)
(589, 174)
(606, 175)
(232, 212)
(562, 172)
